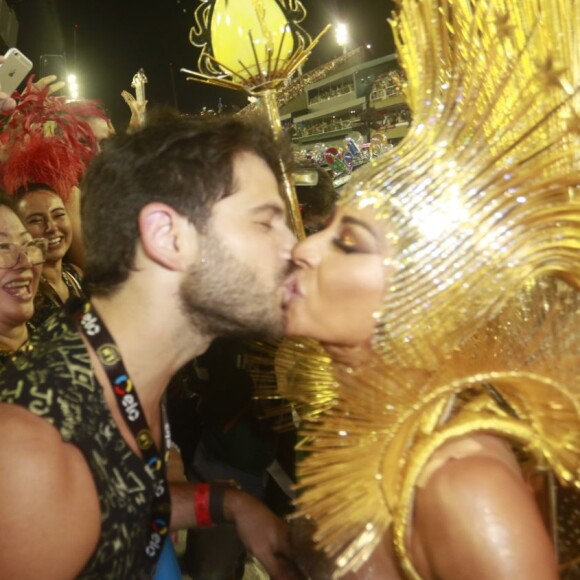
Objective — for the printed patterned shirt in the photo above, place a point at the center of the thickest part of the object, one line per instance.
(55, 381)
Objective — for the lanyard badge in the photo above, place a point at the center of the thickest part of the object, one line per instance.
(128, 402)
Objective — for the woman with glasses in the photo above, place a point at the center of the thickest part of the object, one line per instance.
(21, 259)
(44, 214)
(47, 145)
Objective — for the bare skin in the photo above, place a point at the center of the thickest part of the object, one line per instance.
(474, 518)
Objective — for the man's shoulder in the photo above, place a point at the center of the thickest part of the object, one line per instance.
(37, 455)
(44, 480)
(26, 435)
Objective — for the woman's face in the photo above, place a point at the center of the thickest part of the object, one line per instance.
(45, 216)
(340, 280)
(19, 282)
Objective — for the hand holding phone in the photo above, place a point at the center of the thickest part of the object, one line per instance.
(13, 70)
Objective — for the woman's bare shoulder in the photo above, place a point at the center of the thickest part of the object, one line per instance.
(475, 517)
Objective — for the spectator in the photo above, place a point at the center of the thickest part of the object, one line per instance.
(21, 259)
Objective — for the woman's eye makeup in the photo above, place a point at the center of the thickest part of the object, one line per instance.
(349, 243)
(354, 238)
(344, 246)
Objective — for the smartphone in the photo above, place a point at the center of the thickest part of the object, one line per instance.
(53, 64)
(13, 70)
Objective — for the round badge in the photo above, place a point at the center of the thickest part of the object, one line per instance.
(109, 354)
(144, 439)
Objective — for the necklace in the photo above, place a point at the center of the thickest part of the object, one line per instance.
(70, 281)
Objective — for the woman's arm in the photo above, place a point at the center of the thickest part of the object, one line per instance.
(476, 518)
(76, 252)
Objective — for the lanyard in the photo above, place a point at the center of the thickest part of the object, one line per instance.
(127, 399)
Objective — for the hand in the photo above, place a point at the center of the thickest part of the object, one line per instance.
(7, 103)
(137, 109)
(264, 535)
(49, 81)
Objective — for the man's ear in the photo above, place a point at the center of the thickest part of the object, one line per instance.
(167, 237)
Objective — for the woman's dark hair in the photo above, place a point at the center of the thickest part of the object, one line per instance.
(8, 201)
(31, 188)
(318, 199)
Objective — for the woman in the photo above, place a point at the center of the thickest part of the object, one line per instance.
(21, 259)
(45, 216)
(447, 293)
(47, 144)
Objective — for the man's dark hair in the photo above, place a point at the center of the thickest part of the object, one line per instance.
(317, 202)
(320, 198)
(186, 163)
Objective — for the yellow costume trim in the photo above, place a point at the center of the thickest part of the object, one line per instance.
(292, 370)
(368, 451)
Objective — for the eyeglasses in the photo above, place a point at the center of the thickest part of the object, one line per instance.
(34, 250)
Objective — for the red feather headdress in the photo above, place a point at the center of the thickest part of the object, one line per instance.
(47, 140)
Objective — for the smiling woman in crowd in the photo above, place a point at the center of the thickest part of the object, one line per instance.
(21, 259)
(45, 216)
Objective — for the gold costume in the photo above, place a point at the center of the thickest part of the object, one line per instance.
(480, 326)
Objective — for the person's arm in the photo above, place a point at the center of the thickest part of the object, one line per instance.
(263, 534)
(76, 252)
(48, 501)
(477, 519)
(137, 111)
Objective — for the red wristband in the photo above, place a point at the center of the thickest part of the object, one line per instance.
(201, 505)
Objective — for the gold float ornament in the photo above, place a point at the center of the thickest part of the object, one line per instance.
(254, 46)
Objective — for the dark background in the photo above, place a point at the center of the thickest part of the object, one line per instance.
(106, 41)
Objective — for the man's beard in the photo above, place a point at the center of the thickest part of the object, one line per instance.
(222, 297)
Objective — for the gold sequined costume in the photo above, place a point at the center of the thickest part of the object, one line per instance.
(480, 326)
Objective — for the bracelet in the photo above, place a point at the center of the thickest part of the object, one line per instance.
(216, 502)
(201, 505)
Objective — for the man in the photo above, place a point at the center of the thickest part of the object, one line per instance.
(186, 240)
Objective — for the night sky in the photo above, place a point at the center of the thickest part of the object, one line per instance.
(114, 38)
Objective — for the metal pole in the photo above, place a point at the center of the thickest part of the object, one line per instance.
(173, 90)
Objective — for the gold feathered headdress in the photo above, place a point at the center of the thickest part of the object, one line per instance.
(480, 196)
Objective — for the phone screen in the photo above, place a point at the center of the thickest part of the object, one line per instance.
(53, 64)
